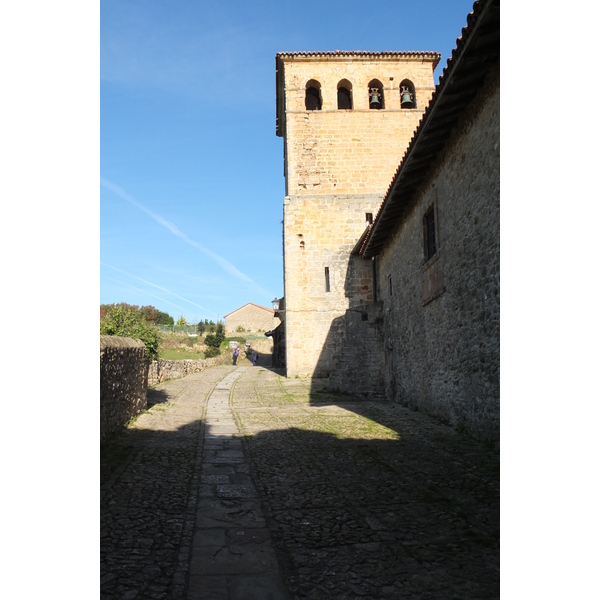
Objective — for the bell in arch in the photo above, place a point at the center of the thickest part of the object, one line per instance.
(406, 100)
(374, 98)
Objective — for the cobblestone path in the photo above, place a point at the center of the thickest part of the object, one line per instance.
(242, 484)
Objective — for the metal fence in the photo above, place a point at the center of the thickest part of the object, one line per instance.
(178, 328)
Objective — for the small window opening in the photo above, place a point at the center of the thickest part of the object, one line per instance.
(430, 234)
(390, 289)
(376, 95)
(302, 245)
(327, 286)
(374, 267)
(369, 218)
(344, 95)
(407, 94)
(312, 100)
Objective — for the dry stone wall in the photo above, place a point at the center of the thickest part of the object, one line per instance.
(163, 370)
(123, 382)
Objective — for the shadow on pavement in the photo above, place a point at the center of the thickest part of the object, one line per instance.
(414, 517)
(149, 479)
(412, 512)
(156, 396)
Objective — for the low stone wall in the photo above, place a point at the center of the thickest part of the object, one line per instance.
(162, 370)
(123, 382)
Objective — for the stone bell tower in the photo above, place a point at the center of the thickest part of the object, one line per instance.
(346, 119)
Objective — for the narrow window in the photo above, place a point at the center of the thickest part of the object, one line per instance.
(327, 286)
(312, 101)
(390, 290)
(374, 262)
(369, 218)
(430, 233)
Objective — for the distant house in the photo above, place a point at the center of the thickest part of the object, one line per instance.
(251, 317)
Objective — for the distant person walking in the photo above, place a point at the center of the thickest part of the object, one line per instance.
(254, 358)
(236, 353)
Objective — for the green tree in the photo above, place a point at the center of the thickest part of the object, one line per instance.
(220, 333)
(122, 320)
(181, 321)
(164, 319)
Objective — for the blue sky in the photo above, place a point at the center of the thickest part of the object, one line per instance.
(192, 185)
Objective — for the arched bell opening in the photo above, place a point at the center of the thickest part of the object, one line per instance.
(408, 97)
(344, 95)
(376, 100)
(313, 100)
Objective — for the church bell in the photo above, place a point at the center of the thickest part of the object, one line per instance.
(374, 101)
(406, 99)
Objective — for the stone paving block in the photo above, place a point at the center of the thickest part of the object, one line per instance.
(229, 513)
(258, 587)
(208, 587)
(239, 535)
(222, 560)
(230, 460)
(217, 469)
(236, 491)
(215, 478)
(216, 536)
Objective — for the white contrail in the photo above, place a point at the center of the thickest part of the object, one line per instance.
(158, 287)
(148, 293)
(224, 263)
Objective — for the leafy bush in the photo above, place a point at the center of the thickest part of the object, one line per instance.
(240, 329)
(122, 321)
(211, 352)
(211, 341)
(214, 340)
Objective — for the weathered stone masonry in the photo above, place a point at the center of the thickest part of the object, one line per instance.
(338, 164)
(445, 325)
(123, 382)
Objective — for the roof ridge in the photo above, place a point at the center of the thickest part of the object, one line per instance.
(394, 53)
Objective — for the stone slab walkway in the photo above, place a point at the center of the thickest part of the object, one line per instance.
(232, 556)
(240, 483)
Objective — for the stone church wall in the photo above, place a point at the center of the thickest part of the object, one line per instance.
(442, 317)
(338, 166)
(359, 366)
(317, 259)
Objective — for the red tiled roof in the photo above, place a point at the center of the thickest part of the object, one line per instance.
(248, 303)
